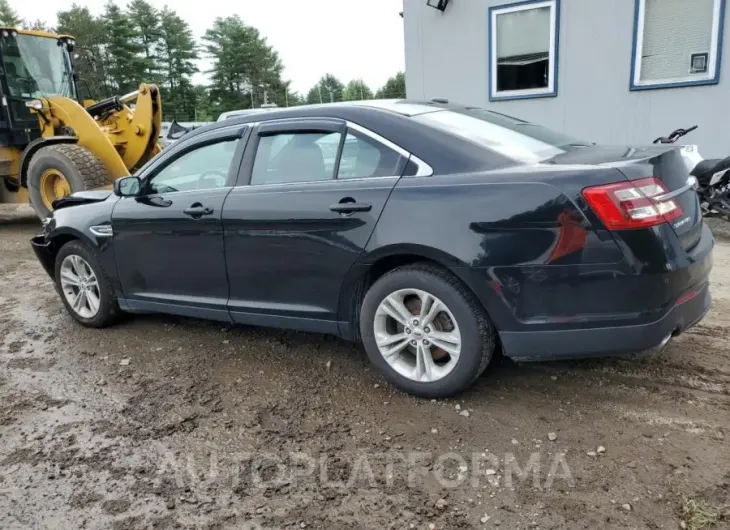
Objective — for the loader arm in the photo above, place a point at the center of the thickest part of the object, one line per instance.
(66, 112)
(134, 133)
(124, 139)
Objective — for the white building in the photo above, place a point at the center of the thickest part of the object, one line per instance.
(610, 71)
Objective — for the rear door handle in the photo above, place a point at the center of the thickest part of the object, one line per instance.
(197, 210)
(351, 207)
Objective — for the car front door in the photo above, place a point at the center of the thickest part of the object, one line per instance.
(309, 195)
(168, 241)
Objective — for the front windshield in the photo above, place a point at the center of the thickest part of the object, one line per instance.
(36, 67)
(514, 138)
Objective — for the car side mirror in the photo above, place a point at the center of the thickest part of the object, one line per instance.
(127, 186)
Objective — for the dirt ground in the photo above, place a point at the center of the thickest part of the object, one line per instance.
(164, 422)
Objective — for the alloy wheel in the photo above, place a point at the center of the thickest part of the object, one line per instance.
(80, 286)
(417, 335)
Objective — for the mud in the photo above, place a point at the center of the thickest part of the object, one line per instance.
(164, 422)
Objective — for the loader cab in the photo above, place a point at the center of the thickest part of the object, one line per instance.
(33, 65)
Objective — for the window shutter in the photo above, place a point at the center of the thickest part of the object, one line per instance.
(523, 36)
(673, 31)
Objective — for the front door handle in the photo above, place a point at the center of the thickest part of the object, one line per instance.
(197, 210)
(351, 207)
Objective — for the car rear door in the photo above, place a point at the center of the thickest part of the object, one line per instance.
(308, 197)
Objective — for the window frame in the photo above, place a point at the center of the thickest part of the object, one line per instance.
(551, 90)
(290, 126)
(714, 61)
(189, 144)
(322, 125)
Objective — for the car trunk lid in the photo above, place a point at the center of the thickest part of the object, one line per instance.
(643, 163)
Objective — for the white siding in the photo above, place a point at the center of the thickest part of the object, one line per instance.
(446, 56)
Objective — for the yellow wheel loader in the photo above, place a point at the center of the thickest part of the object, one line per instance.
(52, 143)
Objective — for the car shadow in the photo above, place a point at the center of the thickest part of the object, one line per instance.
(315, 349)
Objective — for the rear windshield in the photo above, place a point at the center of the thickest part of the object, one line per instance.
(511, 137)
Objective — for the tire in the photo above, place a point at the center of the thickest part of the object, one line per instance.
(108, 310)
(81, 168)
(477, 334)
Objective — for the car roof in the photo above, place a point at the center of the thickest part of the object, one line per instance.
(241, 112)
(398, 107)
(391, 119)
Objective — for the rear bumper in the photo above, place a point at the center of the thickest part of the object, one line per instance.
(526, 346)
(43, 252)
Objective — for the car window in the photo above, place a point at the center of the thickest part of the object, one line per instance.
(512, 137)
(295, 157)
(364, 157)
(203, 168)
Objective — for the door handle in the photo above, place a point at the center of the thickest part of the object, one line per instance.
(197, 210)
(351, 207)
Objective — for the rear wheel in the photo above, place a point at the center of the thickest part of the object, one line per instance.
(425, 331)
(56, 171)
(84, 287)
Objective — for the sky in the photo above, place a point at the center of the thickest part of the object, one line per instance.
(348, 38)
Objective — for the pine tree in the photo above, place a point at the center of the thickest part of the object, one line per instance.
(203, 106)
(177, 53)
(91, 41)
(327, 90)
(245, 68)
(123, 53)
(357, 90)
(394, 88)
(147, 21)
(8, 16)
(37, 24)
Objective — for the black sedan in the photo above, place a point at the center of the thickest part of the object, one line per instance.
(434, 234)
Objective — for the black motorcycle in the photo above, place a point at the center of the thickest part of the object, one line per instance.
(713, 176)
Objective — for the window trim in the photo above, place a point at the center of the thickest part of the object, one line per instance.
(262, 133)
(424, 170)
(553, 55)
(714, 61)
(299, 125)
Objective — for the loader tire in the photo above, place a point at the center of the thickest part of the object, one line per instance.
(59, 170)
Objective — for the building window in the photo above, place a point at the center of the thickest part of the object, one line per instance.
(677, 43)
(523, 50)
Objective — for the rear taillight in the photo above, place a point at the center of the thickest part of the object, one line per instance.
(632, 204)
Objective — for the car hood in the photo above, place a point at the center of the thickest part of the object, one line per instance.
(81, 197)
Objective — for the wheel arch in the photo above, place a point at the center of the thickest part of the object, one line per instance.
(33, 147)
(373, 265)
(61, 236)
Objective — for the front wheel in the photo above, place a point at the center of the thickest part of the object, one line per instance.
(425, 331)
(84, 287)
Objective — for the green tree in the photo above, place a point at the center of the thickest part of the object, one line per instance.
(295, 99)
(37, 24)
(146, 22)
(245, 67)
(123, 52)
(8, 16)
(327, 90)
(203, 106)
(357, 90)
(90, 34)
(177, 54)
(395, 87)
